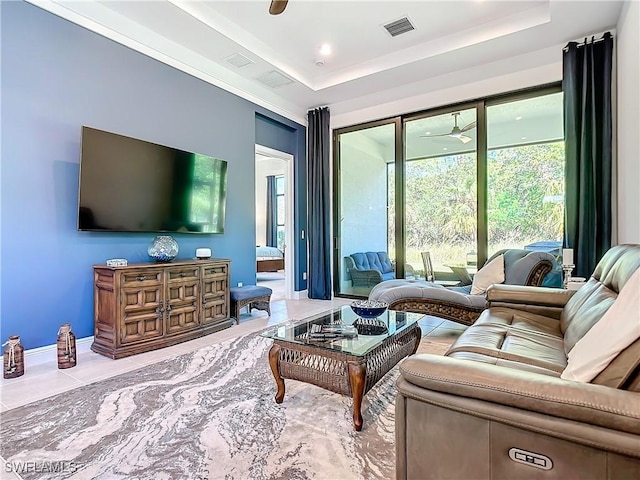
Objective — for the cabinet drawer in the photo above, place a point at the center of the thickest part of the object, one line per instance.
(133, 278)
(217, 271)
(183, 273)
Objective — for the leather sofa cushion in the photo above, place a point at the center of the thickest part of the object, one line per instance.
(522, 319)
(501, 362)
(588, 305)
(618, 328)
(592, 301)
(515, 336)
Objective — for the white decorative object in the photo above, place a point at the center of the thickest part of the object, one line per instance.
(491, 273)
(616, 330)
(117, 262)
(567, 256)
(203, 253)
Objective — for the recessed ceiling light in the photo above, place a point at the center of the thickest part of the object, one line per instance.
(325, 49)
(445, 148)
(428, 133)
(518, 118)
(523, 138)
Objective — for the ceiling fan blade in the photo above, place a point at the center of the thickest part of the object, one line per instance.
(464, 138)
(277, 6)
(438, 135)
(469, 127)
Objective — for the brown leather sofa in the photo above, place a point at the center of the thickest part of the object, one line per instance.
(495, 407)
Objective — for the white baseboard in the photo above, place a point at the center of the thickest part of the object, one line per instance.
(299, 295)
(49, 353)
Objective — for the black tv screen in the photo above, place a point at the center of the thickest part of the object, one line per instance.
(130, 185)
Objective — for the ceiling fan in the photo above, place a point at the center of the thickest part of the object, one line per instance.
(456, 131)
(277, 6)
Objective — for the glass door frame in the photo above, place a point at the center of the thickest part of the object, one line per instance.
(337, 255)
(480, 105)
(481, 166)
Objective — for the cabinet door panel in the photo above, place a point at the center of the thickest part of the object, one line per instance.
(140, 327)
(182, 306)
(215, 294)
(180, 319)
(141, 313)
(215, 310)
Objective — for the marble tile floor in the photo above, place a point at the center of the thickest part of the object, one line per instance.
(275, 281)
(44, 380)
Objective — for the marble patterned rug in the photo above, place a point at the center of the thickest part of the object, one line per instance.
(208, 414)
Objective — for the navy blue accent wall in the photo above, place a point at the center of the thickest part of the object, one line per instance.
(281, 135)
(56, 77)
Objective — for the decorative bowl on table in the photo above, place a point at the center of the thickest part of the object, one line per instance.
(368, 308)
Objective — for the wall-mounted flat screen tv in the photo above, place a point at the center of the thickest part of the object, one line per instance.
(130, 185)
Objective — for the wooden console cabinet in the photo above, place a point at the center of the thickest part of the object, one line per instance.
(147, 306)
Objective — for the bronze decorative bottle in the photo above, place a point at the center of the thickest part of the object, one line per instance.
(66, 347)
(13, 358)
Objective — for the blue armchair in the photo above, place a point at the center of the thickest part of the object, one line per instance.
(367, 269)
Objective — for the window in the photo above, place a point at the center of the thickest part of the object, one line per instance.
(280, 212)
(461, 183)
(525, 174)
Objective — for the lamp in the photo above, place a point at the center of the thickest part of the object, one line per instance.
(567, 266)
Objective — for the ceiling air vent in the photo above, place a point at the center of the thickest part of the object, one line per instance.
(399, 27)
(274, 79)
(239, 60)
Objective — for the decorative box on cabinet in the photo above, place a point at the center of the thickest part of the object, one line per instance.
(146, 306)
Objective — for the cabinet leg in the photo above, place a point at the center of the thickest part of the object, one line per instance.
(357, 378)
(274, 360)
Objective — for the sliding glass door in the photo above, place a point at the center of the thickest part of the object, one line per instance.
(448, 188)
(441, 214)
(364, 222)
(525, 174)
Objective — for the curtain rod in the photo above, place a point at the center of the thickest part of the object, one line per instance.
(593, 40)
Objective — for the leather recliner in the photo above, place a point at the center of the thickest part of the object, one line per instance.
(495, 407)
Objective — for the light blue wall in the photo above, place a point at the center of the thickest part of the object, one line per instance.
(56, 77)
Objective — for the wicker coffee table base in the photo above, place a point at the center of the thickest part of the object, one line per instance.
(339, 372)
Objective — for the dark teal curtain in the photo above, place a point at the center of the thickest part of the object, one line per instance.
(318, 229)
(586, 84)
(272, 227)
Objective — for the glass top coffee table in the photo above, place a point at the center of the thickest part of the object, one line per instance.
(349, 366)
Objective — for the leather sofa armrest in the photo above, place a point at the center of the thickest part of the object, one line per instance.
(582, 402)
(524, 295)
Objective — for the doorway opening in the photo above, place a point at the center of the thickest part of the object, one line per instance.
(274, 222)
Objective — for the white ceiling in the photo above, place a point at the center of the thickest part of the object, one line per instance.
(198, 36)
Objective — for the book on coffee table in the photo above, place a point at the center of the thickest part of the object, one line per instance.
(326, 332)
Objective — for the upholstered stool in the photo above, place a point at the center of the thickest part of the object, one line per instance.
(252, 296)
